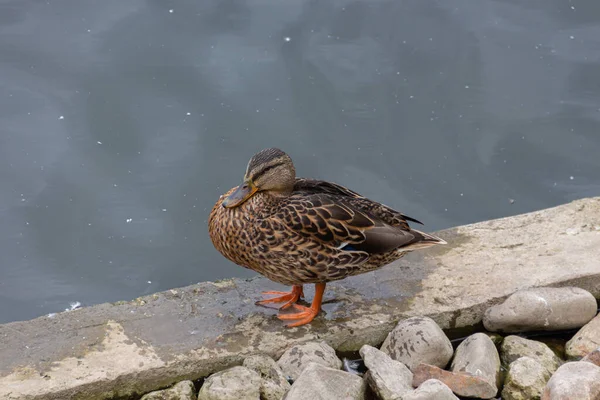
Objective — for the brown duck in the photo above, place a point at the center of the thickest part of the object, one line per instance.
(297, 231)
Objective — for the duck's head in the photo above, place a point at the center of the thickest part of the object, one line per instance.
(270, 170)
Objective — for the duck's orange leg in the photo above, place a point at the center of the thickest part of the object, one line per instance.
(304, 315)
(288, 297)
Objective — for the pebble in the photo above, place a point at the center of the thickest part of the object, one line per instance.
(296, 358)
(541, 309)
(182, 391)
(389, 379)
(273, 384)
(418, 340)
(477, 356)
(585, 341)
(459, 382)
(515, 347)
(237, 383)
(431, 389)
(318, 382)
(525, 380)
(577, 380)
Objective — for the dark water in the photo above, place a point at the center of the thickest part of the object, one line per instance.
(121, 122)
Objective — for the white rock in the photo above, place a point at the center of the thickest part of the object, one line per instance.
(525, 380)
(273, 383)
(544, 309)
(389, 379)
(431, 389)
(182, 391)
(578, 380)
(296, 358)
(237, 383)
(477, 356)
(418, 340)
(322, 383)
(586, 340)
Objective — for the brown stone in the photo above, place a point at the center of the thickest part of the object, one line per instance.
(461, 383)
(593, 357)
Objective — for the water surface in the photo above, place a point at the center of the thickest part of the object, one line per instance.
(121, 122)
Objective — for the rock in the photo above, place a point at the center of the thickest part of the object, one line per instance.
(477, 356)
(585, 341)
(182, 391)
(322, 383)
(460, 383)
(576, 380)
(593, 357)
(234, 383)
(273, 383)
(418, 340)
(431, 389)
(525, 380)
(297, 357)
(545, 309)
(515, 347)
(389, 379)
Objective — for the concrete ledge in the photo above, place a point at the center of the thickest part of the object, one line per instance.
(120, 350)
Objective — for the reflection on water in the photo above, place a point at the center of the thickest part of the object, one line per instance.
(122, 123)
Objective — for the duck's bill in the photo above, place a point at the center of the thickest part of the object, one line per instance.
(240, 195)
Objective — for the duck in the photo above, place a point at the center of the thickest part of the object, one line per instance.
(299, 231)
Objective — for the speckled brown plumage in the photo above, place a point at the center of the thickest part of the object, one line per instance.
(310, 232)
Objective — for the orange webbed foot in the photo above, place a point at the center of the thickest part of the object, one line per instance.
(288, 298)
(302, 316)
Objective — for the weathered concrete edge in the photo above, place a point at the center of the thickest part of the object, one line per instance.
(369, 325)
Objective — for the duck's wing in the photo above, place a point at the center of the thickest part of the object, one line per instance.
(381, 211)
(340, 223)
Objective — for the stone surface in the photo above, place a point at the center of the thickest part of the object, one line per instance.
(273, 383)
(236, 383)
(543, 309)
(134, 347)
(593, 357)
(577, 380)
(182, 391)
(477, 356)
(586, 340)
(431, 389)
(418, 340)
(322, 383)
(297, 357)
(462, 384)
(389, 379)
(525, 380)
(515, 347)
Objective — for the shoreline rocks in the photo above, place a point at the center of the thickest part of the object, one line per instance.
(411, 362)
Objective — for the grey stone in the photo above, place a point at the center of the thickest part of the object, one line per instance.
(237, 383)
(431, 389)
(418, 340)
(578, 380)
(273, 383)
(515, 347)
(318, 382)
(525, 380)
(477, 356)
(586, 340)
(296, 358)
(544, 309)
(181, 391)
(389, 379)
